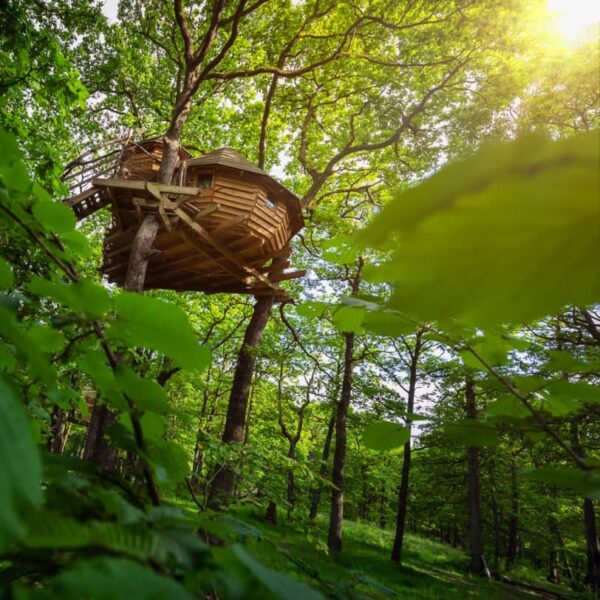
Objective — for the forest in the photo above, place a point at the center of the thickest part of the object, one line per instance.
(299, 299)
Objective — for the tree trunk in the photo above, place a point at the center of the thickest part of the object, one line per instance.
(403, 491)
(366, 492)
(513, 525)
(96, 446)
(495, 518)
(59, 430)
(291, 481)
(334, 538)
(140, 253)
(271, 513)
(382, 507)
(222, 486)
(97, 449)
(315, 498)
(592, 543)
(477, 564)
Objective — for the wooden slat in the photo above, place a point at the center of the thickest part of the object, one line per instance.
(220, 248)
(130, 184)
(286, 276)
(82, 196)
(201, 213)
(234, 271)
(231, 223)
(276, 268)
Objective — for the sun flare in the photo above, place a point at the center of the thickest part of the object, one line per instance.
(575, 19)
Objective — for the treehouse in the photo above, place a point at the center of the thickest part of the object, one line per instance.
(223, 221)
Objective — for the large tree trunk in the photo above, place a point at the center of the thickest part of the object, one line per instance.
(291, 481)
(221, 489)
(334, 538)
(402, 506)
(513, 525)
(403, 491)
(315, 496)
(477, 564)
(97, 448)
(59, 430)
(592, 543)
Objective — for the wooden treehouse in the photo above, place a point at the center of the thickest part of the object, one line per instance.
(223, 220)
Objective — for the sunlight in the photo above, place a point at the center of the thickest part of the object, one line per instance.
(575, 19)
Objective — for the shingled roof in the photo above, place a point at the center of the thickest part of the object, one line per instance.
(226, 157)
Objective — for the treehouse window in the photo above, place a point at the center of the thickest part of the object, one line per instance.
(204, 181)
(271, 204)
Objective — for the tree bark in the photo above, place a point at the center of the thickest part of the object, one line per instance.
(291, 481)
(404, 481)
(477, 564)
(222, 485)
(334, 538)
(513, 525)
(97, 448)
(315, 497)
(59, 430)
(592, 543)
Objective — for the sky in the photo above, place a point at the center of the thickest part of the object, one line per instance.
(109, 9)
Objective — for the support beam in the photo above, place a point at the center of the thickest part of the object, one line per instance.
(220, 248)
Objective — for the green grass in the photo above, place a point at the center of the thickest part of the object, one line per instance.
(363, 570)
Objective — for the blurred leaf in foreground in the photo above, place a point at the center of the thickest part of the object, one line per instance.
(508, 235)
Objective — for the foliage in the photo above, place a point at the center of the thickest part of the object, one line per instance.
(72, 507)
(523, 214)
(482, 270)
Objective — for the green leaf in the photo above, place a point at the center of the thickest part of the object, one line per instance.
(508, 235)
(169, 460)
(94, 364)
(146, 394)
(471, 432)
(586, 483)
(387, 323)
(561, 360)
(20, 466)
(157, 325)
(35, 360)
(507, 406)
(340, 250)
(54, 216)
(281, 586)
(6, 277)
(9, 149)
(84, 298)
(384, 436)
(117, 579)
(576, 390)
(348, 319)
(312, 308)
(16, 177)
(564, 397)
(76, 242)
(47, 339)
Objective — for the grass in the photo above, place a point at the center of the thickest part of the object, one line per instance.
(363, 570)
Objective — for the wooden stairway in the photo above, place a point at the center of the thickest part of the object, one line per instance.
(88, 202)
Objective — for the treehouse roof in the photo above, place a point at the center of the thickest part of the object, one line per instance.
(234, 161)
(227, 157)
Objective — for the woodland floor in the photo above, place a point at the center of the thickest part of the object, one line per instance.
(431, 570)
